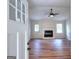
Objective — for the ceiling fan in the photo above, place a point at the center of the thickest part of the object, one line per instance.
(51, 14)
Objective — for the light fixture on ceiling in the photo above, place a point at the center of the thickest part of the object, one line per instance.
(51, 14)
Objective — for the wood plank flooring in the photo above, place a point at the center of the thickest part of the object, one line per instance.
(50, 49)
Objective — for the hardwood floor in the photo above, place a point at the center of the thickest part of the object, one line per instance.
(50, 49)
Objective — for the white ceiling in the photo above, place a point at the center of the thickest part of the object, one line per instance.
(39, 9)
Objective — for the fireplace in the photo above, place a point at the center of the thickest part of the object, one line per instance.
(48, 33)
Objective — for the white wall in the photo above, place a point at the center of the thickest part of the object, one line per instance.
(49, 24)
(68, 29)
(14, 27)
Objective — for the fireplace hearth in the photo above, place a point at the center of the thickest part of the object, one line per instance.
(48, 33)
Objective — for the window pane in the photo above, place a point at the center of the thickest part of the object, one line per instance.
(12, 2)
(23, 16)
(19, 15)
(12, 13)
(59, 28)
(23, 8)
(36, 29)
(19, 4)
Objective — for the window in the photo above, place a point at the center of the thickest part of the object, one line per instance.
(18, 16)
(19, 4)
(17, 11)
(12, 13)
(23, 16)
(13, 2)
(23, 8)
(36, 28)
(59, 28)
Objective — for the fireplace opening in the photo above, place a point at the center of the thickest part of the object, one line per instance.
(48, 33)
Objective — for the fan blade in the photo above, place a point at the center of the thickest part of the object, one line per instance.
(56, 14)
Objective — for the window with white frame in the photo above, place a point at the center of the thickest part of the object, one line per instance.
(17, 11)
(36, 27)
(59, 28)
